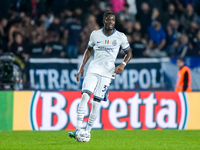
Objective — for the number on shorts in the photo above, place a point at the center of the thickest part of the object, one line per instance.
(105, 88)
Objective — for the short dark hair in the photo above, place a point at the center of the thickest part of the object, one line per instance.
(108, 12)
(159, 19)
(181, 59)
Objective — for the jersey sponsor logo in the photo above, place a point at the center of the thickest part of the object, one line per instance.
(106, 48)
(114, 43)
(98, 41)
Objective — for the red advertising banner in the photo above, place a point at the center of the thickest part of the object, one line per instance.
(123, 110)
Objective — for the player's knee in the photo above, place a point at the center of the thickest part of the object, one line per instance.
(86, 94)
(97, 100)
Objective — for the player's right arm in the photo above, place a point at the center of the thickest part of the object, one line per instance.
(86, 56)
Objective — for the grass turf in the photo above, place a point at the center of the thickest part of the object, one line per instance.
(102, 140)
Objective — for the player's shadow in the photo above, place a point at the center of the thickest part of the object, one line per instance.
(61, 143)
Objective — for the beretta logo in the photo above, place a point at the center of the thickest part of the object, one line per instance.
(123, 110)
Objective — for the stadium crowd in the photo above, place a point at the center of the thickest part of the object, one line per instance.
(61, 28)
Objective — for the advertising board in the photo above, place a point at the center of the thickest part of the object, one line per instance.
(57, 110)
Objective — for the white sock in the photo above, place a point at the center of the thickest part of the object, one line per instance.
(93, 115)
(82, 109)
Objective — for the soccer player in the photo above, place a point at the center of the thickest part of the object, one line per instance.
(106, 44)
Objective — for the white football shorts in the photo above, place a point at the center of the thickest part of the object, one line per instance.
(97, 84)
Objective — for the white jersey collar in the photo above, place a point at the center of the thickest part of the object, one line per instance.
(110, 34)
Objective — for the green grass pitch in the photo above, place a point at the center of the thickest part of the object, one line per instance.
(102, 140)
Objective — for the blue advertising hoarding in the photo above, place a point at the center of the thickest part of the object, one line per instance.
(60, 74)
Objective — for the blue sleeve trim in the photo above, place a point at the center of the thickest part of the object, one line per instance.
(119, 50)
(127, 48)
(88, 91)
(98, 97)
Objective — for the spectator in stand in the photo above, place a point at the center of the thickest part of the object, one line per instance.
(180, 7)
(139, 4)
(137, 46)
(188, 17)
(197, 45)
(93, 9)
(144, 17)
(125, 15)
(27, 27)
(137, 27)
(84, 37)
(56, 25)
(100, 15)
(47, 19)
(155, 14)
(80, 14)
(117, 5)
(128, 28)
(157, 39)
(68, 16)
(73, 30)
(90, 25)
(40, 29)
(35, 49)
(194, 51)
(171, 13)
(182, 47)
(191, 33)
(158, 13)
(172, 35)
(166, 4)
(54, 48)
(37, 18)
(18, 47)
(3, 24)
(132, 6)
(16, 27)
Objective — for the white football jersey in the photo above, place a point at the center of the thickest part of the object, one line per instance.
(106, 49)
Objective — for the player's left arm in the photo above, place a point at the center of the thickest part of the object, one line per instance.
(119, 69)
